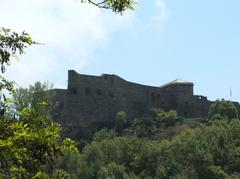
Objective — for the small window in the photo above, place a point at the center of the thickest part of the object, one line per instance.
(110, 94)
(88, 91)
(73, 90)
(99, 92)
(153, 98)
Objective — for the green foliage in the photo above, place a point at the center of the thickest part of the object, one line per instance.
(222, 109)
(104, 134)
(31, 97)
(144, 126)
(120, 121)
(56, 174)
(112, 171)
(11, 44)
(148, 124)
(28, 144)
(117, 6)
(32, 140)
(206, 152)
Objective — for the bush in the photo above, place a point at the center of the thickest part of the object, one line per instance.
(222, 108)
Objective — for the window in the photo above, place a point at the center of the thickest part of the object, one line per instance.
(158, 99)
(88, 91)
(99, 92)
(110, 94)
(73, 90)
(153, 98)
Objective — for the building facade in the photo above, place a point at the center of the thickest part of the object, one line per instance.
(90, 99)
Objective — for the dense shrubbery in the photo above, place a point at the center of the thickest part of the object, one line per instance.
(210, 151)
(155, 120)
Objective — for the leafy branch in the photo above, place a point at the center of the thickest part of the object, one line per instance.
(11, 44)
(117, 6)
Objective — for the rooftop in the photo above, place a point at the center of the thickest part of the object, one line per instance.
(177, 82)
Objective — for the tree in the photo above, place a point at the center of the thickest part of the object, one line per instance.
(11, 45)
(157, 118)
(34, 95)
(104, 134)
(120, 121)
(32, 140)
(29, 143)
(222, 109)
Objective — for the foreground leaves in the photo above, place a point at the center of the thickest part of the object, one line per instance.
(12, 44)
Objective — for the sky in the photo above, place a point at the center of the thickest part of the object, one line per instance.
(160, 41)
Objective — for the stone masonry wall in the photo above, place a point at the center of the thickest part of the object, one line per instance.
(98, 98)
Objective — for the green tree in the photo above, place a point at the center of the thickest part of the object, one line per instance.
(150, 123)
(113, 171)
(163, 118)
(104, 134)
(120, 121)
(27, 143)
(34, 95)
(222, 109)
(11, 45)
(205, 152)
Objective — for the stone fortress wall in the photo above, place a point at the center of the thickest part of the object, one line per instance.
(98, 98)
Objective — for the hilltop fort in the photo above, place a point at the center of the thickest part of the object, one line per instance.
(98, 98)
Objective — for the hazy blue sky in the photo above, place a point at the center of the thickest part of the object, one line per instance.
(160, 41)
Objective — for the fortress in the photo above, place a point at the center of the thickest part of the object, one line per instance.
(90, 99)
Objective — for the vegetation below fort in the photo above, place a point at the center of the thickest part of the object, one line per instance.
(209, 151)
